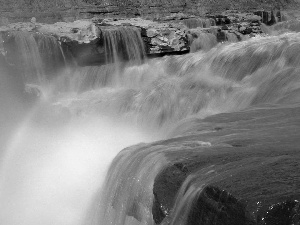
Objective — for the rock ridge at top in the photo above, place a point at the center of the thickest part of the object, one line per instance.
(71, 10)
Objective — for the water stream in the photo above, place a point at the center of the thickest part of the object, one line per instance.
(62, 133)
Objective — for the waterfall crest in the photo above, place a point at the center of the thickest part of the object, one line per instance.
(227, 78)
(128, 194)
(160, 98)
(38, 57)
(122, 44)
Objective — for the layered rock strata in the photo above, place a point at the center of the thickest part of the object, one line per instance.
(70, 10)
(175, 34)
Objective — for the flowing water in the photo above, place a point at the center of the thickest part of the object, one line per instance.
(62, 133)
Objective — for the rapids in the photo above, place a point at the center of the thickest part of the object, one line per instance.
(62, 133)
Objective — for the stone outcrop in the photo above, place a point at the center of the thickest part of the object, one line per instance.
(171, 35)
(176, 33)
(77, 38)
(287, 212)
(71, 10)
(82, 38)
(159, 37)
(82, 31)
(214, 206)
(218, 207)
(248, 158)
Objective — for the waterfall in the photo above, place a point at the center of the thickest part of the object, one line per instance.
(122, 43)
(38, 56)
(54, 149)
(202, 41)
(128, 194)
(55, 167)
(234, 76)
(226, 79)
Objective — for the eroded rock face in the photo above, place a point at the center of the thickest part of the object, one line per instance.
(71, 10)
(166, 187)
(82, 31)
(159, 37)
(287, 212)
(78, 38)
(171, 35)
(218, 207)
(244, 159)
(83, 39)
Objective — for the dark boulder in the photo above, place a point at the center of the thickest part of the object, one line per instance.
(264, 16)
(248, 157)
(165, 189)
(284, 213)
(218, 207)
(221, 36)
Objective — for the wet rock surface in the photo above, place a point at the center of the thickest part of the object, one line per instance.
(166, 189)
(215, 206)
(70, 10)
(84, 41)
(287, 212)
(254, 156)
(177, 33)
(164, 35)
(159, 37)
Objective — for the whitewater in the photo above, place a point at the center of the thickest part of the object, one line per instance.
(62, 157)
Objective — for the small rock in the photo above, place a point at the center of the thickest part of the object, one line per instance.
(74, 30)
(287, 212)
(221, 36)
(151, 33)
(225, 27)
(215, 206)
(126, 24)
(33, 20)
(204, 144)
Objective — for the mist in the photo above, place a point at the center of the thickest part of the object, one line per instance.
(55, 162)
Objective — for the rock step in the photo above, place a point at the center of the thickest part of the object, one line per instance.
(177, 34)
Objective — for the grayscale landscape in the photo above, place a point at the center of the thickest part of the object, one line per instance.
(158, 112)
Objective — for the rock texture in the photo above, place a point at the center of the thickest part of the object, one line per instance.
(159, 37)
(176, 33)
(83, 39)
(70, 10)
(218, 207)
(287, 212)
(249, 157)
(173, 34)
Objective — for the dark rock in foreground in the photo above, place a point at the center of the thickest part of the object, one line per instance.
(253, 155)
(213, 206)
(287, 212)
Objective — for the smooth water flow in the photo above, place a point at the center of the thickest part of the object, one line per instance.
(58, 150)
(54, 161)
(55, 165)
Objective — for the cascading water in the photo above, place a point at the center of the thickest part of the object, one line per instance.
(202, 41)
(170, 89)
(226, 79)
(54, 161)
(40, 56)
(54, 167)
(122, 43)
